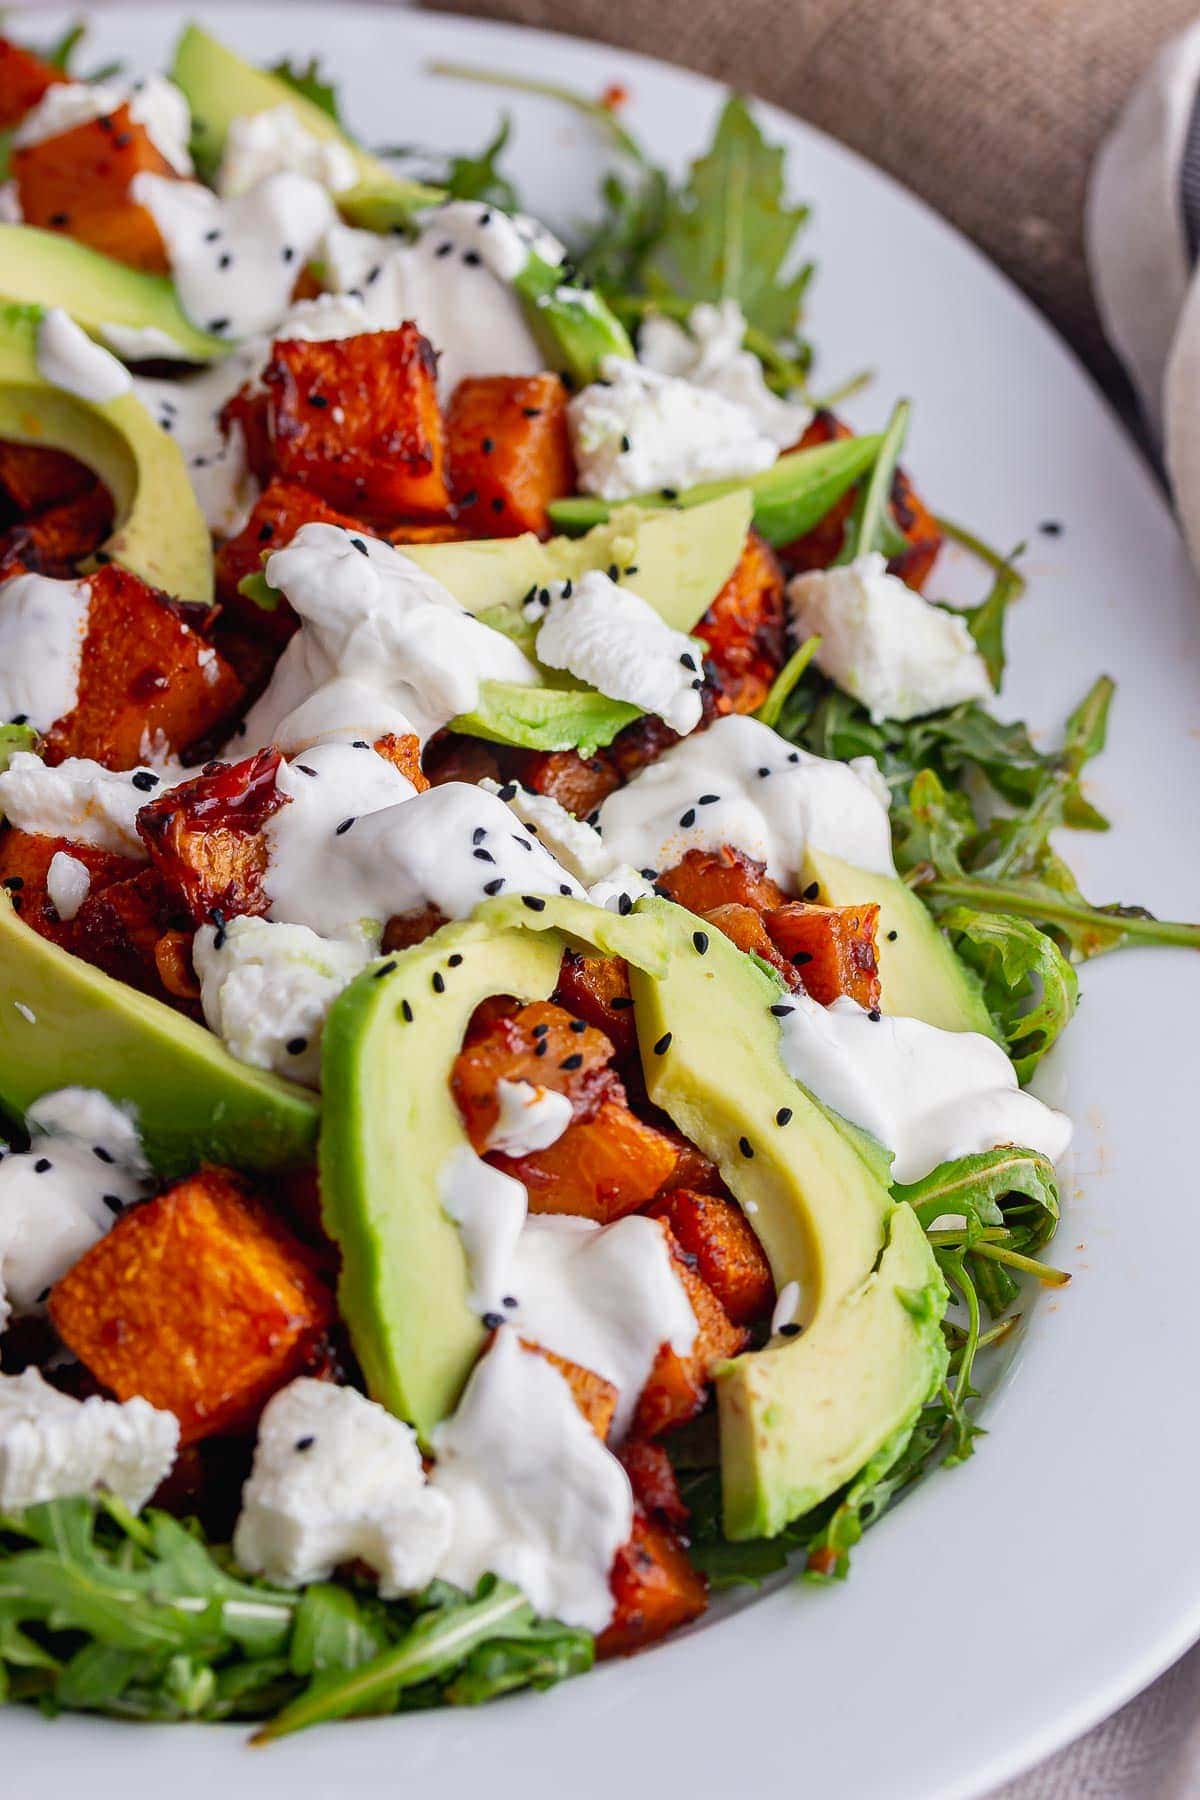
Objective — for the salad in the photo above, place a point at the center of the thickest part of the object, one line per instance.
(523, 947)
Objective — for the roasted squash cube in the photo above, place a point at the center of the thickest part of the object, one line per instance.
(146, 678)
(200, 1301)
(509, 452)
(652, 1477)
(277, 515)
(744, 927)
(914, 565)
(596, 988)
(728, 1257)
(404, 753)
(595, 1397)
(357, 420)
(833, 947)
(437, 531)
(31, 478)
(56, 540)
(744, 628)
(677, 1385)
(655, 1587)
(205, 838)
(24, 78)
(705, 879)
(25, 860)
(600, 1168)
(541, 1044)
(578, 783)
(78, 183)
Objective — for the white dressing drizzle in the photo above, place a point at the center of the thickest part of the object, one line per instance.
(42, 627)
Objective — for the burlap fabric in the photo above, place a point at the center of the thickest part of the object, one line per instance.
(989, 109)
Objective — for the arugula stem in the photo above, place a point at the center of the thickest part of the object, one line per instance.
(987, 1340)
(845, 390)
(786, 680)
(981, 550)
(989, 898)
(595, 110)
(1014, 1260)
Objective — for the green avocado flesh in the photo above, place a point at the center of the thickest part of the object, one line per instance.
(42, 268)
(920, 976)
(794, 1426)
(390, 1123)
(64, 1024)
(160, 533)
(220, 87)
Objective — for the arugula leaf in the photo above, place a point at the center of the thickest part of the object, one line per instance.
(991, 1187)
(478, 178)
(307, 80)
(730, 232)
(986, 621)
(1029, 986)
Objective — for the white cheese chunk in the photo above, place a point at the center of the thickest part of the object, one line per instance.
(68, 884)
(42, 627)
(619, 890)
(927, 1095)
(337, 1479)
(268, 142)
(529, 1118)
(60, 1197)
(635, 431)
(612, 639)
(740, 783)
(82, 801)
(52, 1447)
(535, 1496)
(884, 644)
(155, 104)
(68, 359)
(709, 354)
(266, 989)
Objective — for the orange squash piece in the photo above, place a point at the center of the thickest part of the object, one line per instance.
(404, 753)
(705, 879)
(655, 1587)
(677, 1386)
(25, 860)
(24, 78)
(541, 1044)
(200, 1301)
(357, 421)
(833, 947)
(78, 183)
(509, 452)
(578, 783)
(205, 837)
(146, 676)
(596, 988)
(728, 1257)
(744, 927)
(56, 540)
(277, 515)
(744, 628)
(652, 1477)
(595, 1397)
(31, 478)
(600, 1168)
(439, 531)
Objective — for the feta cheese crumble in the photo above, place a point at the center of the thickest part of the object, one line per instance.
(155, 104)
(928, 1095)
(740, 783)
(68, 359)
(636, 431)
(266, 989)
(42, 627)
(273, 141)
(709, 354)
(612, 639)
(68, 884)
(83, 1166)
(337, 1479)
(52, 1446)
(535, 1496)
(82, 801)
(884, 644)
(529, 1118)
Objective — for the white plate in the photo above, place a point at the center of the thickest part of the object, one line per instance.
(1007, 1605)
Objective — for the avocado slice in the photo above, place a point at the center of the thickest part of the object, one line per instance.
(390, 1123)
(160, 533)
(63, 1022)
(575, 327)
(12, 739)
(42, 268)
(920, 975)
(794, 1426)
(220, 87)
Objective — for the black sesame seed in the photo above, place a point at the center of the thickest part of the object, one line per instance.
(688, 818)
(359, 744)
(892, 936)
(574, 1061)
(487, 446)
(534, 902)
(455, 960)
(492, 1321)
(541, 1047)
(224, 260)
(472, 258)
(620, 1003)
(509, 1300)
(305, 1443)
(373, 274)
(360, 546)
(438, 982)
(60, 219)
(296, 1046)
(218, 325)
(1051, 527)
(811, 891)
(509, 790)
(697, 685)
(525, 843)
(663, 1044)
(383, 969)
(444, 250)
(539, 1031)
(42, 1164)
(577, 1025)
(470, 497)
(491, 888)
(210, 237)
(568, 588)
(626, 446)
(564, 889)
(800, 957)
(143, 780)
(102, 1155)
(318, 400)
(793, 756)
(499, 503)
(631, 569)
(266, 532)
(482, 855)
(305, 770)
(343, 828)
(700, 940)
(288, 253)
(613, 571)
(624, 905)
(113, 1202)
(745, 1146)
(874, 1015)
(406, 1012)
(789, 1331)
(709, 799)
(43, 1297)
(123, 140)
(669, 493)
(648, 874)
(782, 1008)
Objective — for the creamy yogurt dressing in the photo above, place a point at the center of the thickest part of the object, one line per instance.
(927, 1095)
(79, 800)
(266, 989)
(83, 1166)
(342, 710)
(155, 104)
(612, 639)
(273, 141)
(536, 1497)
(577, 846)
(455, 281)
(528, 1118)
(371, 613)
(709, 354)
(235, 262)
(635, 431)
(68, 884)
(68, 359)
(10, 204)
(42, 627)
(190, 411)
(489, 1209)
(141, 343)
(740, 783)
(53, 1446)
(884, 644)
